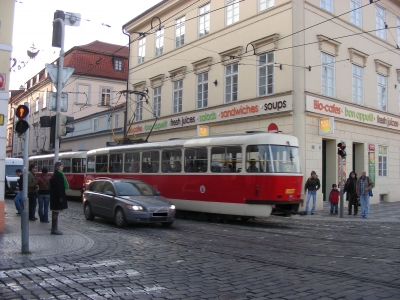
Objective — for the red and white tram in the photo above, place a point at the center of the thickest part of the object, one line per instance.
(74, 168)
(242, 175)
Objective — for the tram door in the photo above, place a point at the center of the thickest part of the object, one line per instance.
(329, 166)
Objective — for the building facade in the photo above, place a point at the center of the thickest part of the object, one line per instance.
(323, 70)
(93, 99)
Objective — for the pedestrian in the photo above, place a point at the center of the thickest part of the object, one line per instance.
(312, 185)
(19, 205)
(351, 195)
(58, 197)
(32, 191)
(364, 186)
(44, 196)
(334, 199)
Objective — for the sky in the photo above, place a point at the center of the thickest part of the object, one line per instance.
(33, 26)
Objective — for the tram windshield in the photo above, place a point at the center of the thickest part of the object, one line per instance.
(272, 159)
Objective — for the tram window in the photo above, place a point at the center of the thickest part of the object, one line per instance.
(45, 164)
(195, 160)
(90, 164)
(226, 159)
(50, 166)
(78, 165)
(67, 165)
(132, 162)
(101, 163)
(150, 162)
(258, 159)
(39, 165)
(171, 161)
(115, 163)
(286, 159)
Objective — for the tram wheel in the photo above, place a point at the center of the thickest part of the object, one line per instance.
(215, 218)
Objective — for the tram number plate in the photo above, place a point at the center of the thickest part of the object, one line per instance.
(290, 191)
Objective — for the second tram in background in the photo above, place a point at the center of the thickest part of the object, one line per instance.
(242, 175)
(74, 168)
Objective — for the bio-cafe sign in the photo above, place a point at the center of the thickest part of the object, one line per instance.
(228, 112)
(351, 113)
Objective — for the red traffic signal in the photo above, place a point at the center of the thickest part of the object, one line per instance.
(342, 149)
(21, 113)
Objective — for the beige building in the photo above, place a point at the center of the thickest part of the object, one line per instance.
(93, 100)
(322, 70)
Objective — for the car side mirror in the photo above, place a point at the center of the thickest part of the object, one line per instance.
(109, 193)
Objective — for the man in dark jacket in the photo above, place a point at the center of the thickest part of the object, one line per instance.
(19, 205)
(312, 185)
(32, 191)
(350, 190)
(58, 197)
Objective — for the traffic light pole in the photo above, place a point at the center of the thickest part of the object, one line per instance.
(59, 90)
(24, 215)
(341, 188)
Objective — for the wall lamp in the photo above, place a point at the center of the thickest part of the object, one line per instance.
(215, 82)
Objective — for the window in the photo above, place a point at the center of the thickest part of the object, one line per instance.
(90, 164)
(355, 12)
(42, 139)
(171, 161)
(117, 64)
(264, 4)
(195, 160)
(67, 165)
(9, 136)
(382, 161)
(139, 109)
(150, 162)
(232, 11)
(132, 162)
(231, 82)
(116, 121)
(178, 89)
(44, 99)
(37, 105)
(101, 163)
(159, 42)
(179, 32)
(141, 50)
(382, 93)
(204, 20)
(328, 75)
(157, 101)
(202, 90)
(358, 85)
(115, 163)
(380, 22)
(226, 159)
(35, 136)
(327, 5)
(105, 97)
(78, 165)
(266, 74)
(95, 124)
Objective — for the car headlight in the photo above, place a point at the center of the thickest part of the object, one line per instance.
(172, 206)
(134, 207)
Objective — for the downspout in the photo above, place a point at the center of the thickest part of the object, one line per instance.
(127, 85)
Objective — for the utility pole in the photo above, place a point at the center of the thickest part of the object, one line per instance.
(24, 215)
(342, 153)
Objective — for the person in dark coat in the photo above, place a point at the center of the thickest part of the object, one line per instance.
(58, 197)
(312, 186)
(350, 190)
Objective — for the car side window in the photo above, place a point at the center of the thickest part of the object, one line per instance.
(97, 187)
(108, 188)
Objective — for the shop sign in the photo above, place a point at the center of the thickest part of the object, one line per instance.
(350, 113)
(371, 147)
(371, 166)
(326, 125)
(2, 81)
(203, 130)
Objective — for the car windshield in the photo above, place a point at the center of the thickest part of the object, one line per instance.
(129, 188)
(10, 170)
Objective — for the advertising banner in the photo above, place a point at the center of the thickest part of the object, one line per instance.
(371, 166)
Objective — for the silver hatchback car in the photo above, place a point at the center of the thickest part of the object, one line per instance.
(126, 201)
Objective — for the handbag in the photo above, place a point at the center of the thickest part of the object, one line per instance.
(370, 193)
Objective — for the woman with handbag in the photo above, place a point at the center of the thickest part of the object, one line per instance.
(364, 188)
(350, 190)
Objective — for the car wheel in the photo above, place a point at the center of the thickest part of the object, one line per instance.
(88, 212)
(167, 224)
(120, 219)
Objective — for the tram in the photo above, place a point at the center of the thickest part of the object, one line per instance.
(254, 174)
(74, 168)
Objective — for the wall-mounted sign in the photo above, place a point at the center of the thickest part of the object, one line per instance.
(371, 166)
(203, 130)
(326, 125)
(371, 147)
(273, 128)
(2, 81)
(1, 119)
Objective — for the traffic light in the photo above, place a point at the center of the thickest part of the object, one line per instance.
(22, 125)
(341, 149)
(57, 28)
(62, 125)
(52, 131)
